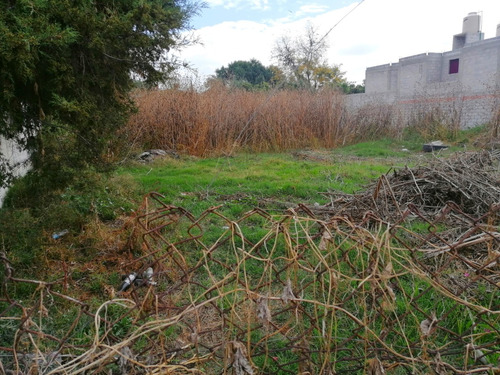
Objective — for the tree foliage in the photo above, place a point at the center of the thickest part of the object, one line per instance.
(67, 67)
(352, 88)
(304, 60)
(245, 73)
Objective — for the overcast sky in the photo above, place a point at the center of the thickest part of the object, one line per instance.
(375, 32)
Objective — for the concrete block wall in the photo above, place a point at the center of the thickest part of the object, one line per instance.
(468, 109)
(479, 109)
(479, 64)
(393, 79)
(382, 78)
(424, 83)
(433, 67)
(411, 74)
(354, 102)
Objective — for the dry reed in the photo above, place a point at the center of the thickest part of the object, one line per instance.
(222, 120)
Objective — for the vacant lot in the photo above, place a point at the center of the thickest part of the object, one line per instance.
(262, 264)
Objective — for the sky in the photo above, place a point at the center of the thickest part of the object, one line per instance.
(363, 33)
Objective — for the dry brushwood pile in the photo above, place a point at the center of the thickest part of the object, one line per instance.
(288, 294)
(470, 180)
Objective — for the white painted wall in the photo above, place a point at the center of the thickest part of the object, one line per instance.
(16, 158)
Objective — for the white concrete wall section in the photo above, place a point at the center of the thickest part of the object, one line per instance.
(479, 64)
(378, 76)
(16, 158)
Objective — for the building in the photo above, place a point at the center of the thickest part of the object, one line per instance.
(468, 77)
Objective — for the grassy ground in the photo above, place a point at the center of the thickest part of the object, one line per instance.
(273, 181)
(251, 180)
(238, 183)
(93, 254)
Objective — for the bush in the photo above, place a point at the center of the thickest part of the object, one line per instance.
(32, 214)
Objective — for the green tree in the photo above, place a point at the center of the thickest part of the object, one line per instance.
(323, 76)
(67, 68)
(352, 88)
(278, 79)
(251, 74)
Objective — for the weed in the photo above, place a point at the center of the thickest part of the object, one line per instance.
(222, 120)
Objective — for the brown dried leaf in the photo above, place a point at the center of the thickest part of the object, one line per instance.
(324, 241)
(43, 311)
(263, 311)
(389, 302)
(193, 337)
(287, 294)
(390, 292)
(28, 323)
(387, 272)
(428, 326)
(387, 306)
(240, 362)
(375, 367)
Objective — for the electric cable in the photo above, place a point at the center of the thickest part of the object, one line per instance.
(347, 14)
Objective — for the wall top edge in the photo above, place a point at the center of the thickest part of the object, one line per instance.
(383, 66)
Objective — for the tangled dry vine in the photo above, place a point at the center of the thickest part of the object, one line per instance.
(298, 295)
(470, 180)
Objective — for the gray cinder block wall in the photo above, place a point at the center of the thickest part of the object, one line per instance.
(463, 84)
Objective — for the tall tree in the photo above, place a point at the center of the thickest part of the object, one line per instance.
(67, 67)
(304, 60)
(252, 72)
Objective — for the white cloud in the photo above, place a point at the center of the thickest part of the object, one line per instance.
(260, 4)
(310, 9)
(377, 32)
(228, 42)
(394, 29)
(254, 4)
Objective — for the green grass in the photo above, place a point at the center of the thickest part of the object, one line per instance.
(238, 184)
(244, 181)
(249, 180)
(385, 148)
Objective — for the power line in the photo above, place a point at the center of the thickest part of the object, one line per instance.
(334, 26)
(275, 89)
(252, 116)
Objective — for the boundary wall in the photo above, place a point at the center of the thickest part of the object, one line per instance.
(461, 86)
(15, 159)
(465, 109)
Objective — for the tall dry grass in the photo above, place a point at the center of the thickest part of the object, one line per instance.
(374, 121)
(223, 120)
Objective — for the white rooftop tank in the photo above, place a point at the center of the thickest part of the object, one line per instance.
(472, 23)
